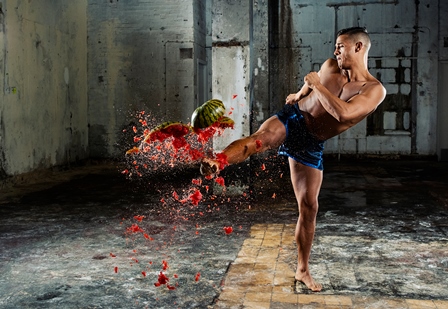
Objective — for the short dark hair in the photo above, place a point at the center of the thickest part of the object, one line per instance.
(357, 33)
(352, 30)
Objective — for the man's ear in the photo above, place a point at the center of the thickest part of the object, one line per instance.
(358, 46)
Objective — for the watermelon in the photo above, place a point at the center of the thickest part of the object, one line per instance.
(207, 114)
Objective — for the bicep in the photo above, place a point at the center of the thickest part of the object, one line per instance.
(366, 102)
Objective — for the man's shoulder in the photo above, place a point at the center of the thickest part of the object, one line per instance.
(330, 66)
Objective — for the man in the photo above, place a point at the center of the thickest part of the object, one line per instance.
(331, 101)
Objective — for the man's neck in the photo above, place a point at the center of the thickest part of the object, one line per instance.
(355, 75)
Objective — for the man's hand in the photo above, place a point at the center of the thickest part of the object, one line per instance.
(312, 79)
(293, 98)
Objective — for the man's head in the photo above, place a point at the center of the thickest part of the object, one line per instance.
(349, 43)
(357, 34)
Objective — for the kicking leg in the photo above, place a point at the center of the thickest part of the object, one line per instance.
(306, 182)
(271, 134)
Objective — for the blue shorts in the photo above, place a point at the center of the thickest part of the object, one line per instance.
(300, 144)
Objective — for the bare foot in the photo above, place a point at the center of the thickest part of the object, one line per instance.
(306, 279)
(209, 167)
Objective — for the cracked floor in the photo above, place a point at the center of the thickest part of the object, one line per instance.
(67, 241)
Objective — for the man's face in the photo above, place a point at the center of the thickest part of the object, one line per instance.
(344, 49)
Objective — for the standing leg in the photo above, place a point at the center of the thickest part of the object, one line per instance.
(306, 182)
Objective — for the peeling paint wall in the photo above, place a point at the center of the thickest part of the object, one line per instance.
(43, 98)
(403, 56)
(143, 56)
(442, 104)
(231, 65)
(73, 73)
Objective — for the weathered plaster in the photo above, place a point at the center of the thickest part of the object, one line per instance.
(44, 96)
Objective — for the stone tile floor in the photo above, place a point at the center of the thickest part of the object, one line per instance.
(381, 240)
(261, 277)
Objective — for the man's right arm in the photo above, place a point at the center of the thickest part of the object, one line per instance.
(293, 98)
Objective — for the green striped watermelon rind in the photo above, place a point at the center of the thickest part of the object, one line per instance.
(207, 114)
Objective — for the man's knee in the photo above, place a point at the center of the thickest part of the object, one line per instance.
(309, 208)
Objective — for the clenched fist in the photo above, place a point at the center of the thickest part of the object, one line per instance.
(312, 79)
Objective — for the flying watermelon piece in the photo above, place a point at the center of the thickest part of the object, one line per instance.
(207, 114)
(166, 130)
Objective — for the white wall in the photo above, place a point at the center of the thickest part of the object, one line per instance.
(231, 66)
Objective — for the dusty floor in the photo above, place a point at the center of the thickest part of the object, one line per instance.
(72, 241)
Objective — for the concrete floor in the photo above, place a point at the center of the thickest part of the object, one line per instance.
(72, 241)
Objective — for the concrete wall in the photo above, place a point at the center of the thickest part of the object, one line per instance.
(403, 56)
(143, 55)
(43, 88)
(288, 39)
(442, 106)
(161, 57)
(63, 99)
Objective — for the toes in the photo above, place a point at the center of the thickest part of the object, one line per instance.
(313, 286)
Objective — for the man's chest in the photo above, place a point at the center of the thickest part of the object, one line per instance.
(339, 86)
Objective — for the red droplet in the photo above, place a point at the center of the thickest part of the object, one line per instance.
(164, 265)
(112, 255)
(176, 196)
(234, 96)
(134, 229)
(175, 276)
(198, 275)
(196, 181)
(228, 229)
(263, 167)
(196, 197)
(137, 139)
(220, 181)
(170, 287)
(162, 279)
(139, 218)
(116, 269)
(144, 273)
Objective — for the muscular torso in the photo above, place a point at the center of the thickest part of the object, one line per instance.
(319, 121)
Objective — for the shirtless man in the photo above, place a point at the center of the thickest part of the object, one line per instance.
(331, 101)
